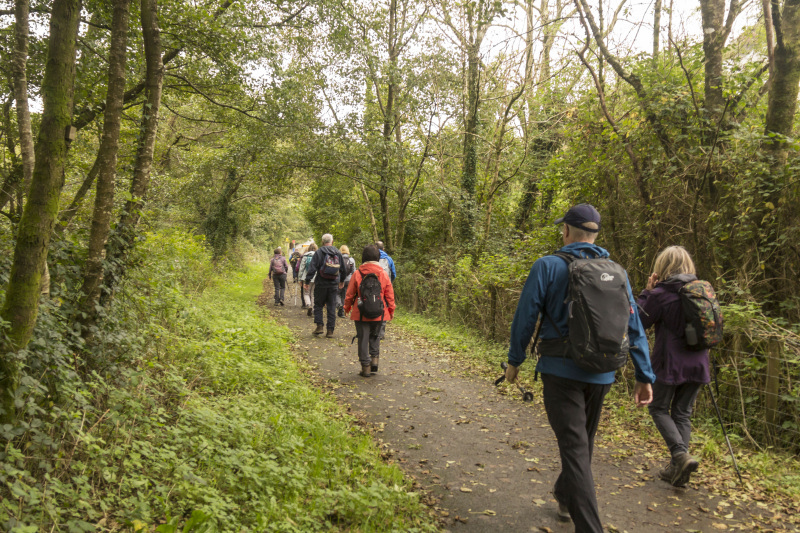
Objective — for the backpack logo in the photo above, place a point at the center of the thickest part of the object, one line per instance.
(605, 276)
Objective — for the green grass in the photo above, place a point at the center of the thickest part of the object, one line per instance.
(214, 428)
(277, 455)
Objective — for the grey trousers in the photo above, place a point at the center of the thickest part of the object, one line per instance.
(279, 280)
(369, 343)
(573, 410)
(671, 410)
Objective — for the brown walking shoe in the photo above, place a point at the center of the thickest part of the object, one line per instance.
(667, 473)
(685, 466)
(329, 334)
(374, 365)
(563, 511)
(310, 312)
(365, 372)
(319, 331)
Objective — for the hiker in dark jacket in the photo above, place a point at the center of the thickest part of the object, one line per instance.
(296, 255)
(368, 329)
(326, 265)
(680, 372)
(573, 397)
(277, 273)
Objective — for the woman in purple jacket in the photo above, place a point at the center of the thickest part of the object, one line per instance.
(680, 373)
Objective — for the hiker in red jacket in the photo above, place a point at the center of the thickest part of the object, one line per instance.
(372, 289)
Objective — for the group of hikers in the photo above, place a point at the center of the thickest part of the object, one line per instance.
(589, 324)
(331, 282)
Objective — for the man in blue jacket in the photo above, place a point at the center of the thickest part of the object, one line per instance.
(573, 397)
(329, 279)
(387, 263)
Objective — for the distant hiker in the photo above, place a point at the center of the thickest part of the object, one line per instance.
(296, 255)
(350, 267)
(277, 273)
(573, 396)
(681, 372)
(372, 293)
(387, 263)
(326, 265)
(307, 282)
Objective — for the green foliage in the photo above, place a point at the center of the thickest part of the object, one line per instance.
(204, 424)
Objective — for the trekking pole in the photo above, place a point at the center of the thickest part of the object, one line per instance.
(527, 396)
(725, 433)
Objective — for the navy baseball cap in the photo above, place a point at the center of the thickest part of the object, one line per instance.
(580, 214)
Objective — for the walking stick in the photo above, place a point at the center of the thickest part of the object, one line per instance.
(725, 433)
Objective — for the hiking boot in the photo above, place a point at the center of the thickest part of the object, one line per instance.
(685, 465)
(365, 372)
(329, 334)
(374, 366)
(340, 312)
(563, 511)
(667, 473)
(310, 313)
(282, 304)
(320, 330)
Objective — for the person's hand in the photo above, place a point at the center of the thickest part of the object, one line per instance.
(341, 285)
(642, 394)
(511, 373)
(651, 281)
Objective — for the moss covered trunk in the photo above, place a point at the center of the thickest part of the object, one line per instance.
(36, 224)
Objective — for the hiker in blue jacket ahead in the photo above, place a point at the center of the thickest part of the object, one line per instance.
(573, 397)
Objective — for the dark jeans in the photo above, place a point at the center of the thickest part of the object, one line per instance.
(280, 286)
(573, 409)
(325, 296)
(671, 410)
(369, 344)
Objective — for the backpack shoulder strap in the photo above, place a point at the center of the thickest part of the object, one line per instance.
(569, 258)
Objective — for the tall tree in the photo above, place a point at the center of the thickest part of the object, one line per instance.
(21, 304)
(118, 247)
(106, 163)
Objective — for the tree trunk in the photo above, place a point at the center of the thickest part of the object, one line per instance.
(469, 176)
(373, 224)
(69, 213)
(107, 164)
(117, 248)
(19, 66)
(388, 123)
(713, 14)
(36, 224)
(656, 30)
(779, 191)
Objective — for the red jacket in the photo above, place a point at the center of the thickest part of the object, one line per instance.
(370, 267)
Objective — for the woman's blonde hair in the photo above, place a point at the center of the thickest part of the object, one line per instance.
(673, 260)
(344, 249)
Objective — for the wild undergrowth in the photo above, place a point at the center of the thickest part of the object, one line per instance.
(770, 479)
(203, 423)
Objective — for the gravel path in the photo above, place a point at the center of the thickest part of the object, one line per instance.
(489, 459)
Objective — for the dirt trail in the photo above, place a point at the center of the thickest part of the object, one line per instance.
(491, 460)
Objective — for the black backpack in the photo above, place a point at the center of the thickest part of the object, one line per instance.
(599, 311)
(702, 314)
(370, 302)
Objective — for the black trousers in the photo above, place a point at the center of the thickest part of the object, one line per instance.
(369, 344)
(573, 409)
(325, 296)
